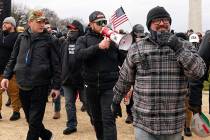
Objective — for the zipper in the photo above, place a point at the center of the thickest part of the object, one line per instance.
(98, 80)
(3, 38)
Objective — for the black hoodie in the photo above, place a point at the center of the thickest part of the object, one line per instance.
(7, 41)
(71, 67)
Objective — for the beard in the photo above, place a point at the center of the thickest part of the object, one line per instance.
(6, 29)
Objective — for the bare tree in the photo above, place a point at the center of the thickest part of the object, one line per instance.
(19, 12)
(51, 16)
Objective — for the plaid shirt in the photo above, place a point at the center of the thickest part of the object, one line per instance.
(159, 76)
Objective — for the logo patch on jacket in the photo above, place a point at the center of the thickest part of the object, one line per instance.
(71, 49)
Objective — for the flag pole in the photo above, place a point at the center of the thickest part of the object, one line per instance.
(128, 18)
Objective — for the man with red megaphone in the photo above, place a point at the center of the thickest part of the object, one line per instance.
(101, 58)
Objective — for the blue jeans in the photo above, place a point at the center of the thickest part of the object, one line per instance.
(140, 134)
(70, 94)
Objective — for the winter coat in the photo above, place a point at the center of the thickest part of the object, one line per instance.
(7, 41)
(35, 61)
(100, 66)
(71, 67)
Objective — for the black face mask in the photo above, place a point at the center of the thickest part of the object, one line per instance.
(160, 37)
(196, 45)
(73, 35)
(5, 32)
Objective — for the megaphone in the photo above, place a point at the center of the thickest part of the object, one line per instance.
(123, 41)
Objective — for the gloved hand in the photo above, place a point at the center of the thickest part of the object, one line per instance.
(195, 109)
(162, 38)
(174, 43)
(116, 110)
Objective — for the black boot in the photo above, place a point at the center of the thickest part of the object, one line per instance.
(68, 131)
(83, 108)
(129, 119)
(187, 132)
(15, 116)
(8, 103)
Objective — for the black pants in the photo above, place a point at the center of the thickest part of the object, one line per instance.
(129, 106)
(99, 102)
(34, 103)
(195, 96)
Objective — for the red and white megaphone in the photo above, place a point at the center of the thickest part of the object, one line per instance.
(123, 41)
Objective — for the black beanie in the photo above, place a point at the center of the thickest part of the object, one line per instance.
(157, 12)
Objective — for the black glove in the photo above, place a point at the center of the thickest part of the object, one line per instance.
(195, 109)
(174, 43)
(116, 110)
(162, 38)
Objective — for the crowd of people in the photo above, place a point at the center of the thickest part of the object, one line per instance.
(160, 77)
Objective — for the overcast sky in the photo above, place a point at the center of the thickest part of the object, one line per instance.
(136, 10)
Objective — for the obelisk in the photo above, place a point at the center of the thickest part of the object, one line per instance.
(195, 16)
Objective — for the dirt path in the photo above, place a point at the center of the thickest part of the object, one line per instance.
(17, 130)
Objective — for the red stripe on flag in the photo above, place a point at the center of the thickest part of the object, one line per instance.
(118, 18)
(119, 22)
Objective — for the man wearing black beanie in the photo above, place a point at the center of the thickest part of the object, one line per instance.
(157, 12)
(158, 67)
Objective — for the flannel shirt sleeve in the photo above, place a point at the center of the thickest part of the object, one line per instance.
(126, 78)
(193, 65)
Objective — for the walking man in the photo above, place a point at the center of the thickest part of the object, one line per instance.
(36, 64)
(8, 37)
(159, 67)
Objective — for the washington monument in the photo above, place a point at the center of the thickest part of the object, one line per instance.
(195, 16)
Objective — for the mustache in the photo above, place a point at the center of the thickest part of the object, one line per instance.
(162, 26)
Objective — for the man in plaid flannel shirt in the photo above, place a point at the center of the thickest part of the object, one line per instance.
(158, 67)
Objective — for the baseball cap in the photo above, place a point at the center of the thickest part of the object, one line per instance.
(37, 15)
(194, 38)
(97, 16)
(138, 30)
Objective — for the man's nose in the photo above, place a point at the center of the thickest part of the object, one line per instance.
(161, 22)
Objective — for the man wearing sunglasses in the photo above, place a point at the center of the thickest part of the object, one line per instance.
(101, 59)
(159, 67)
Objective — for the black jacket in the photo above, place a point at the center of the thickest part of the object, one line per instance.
(71, 67)
(35, 61)
(100, 66)
(196, 86)
(7, 41)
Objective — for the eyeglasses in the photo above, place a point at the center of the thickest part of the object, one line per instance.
(101, 23)
(158, 21)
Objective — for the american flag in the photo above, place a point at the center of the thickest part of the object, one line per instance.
(118, 18)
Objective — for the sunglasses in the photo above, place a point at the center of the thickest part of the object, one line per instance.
(158, 21)
(101, 23)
